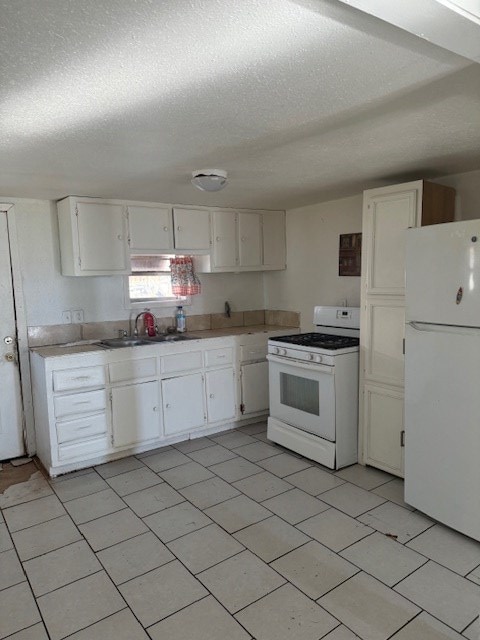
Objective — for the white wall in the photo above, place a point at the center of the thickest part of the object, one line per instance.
(312, 258)
(47, 293)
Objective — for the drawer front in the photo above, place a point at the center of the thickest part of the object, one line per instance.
(80, 378)
(181, 362)
(88, 402)
(81, 428)
(133, 369)
(84, 449)
(248, 354)
(215, 357)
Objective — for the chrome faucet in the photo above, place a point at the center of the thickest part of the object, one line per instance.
(142, 313)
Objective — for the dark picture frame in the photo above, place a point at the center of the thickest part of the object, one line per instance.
(350, 254)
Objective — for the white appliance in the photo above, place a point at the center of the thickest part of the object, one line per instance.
(442, 374)
(313, 380)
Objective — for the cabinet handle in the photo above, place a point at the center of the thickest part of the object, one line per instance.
(87, 426)
(212, 395)
(81, 378)
(82, 402)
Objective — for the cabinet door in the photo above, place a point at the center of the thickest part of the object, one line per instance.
(192, 229)
(250, 239)
(386, 218)
(150, 229)
(383, 419)
(220, 388)
(384, 339)
(183, 403)
(274, 240)
(224, 225)
(136, 414)
(102, 238)
(254, 387)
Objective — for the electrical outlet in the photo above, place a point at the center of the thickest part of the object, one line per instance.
(66, 317)
(77, 315)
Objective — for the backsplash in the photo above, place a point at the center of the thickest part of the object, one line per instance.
(61, 333)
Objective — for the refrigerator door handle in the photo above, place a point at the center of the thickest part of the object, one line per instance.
(430, 327)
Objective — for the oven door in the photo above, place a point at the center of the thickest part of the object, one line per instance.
(303, 395)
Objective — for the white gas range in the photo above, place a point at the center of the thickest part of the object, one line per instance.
(314, 388)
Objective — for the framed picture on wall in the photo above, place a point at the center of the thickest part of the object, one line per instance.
(350, 254)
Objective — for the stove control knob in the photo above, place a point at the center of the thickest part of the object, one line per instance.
(283, 352)
(311, 357)
(319, 359)
(276, 351)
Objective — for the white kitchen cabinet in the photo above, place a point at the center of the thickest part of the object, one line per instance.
(93, 237)
(387, 213)
(254, 387)
(274, 240)
(183, 403)
(191, 229)
(150, 229)
(249, 239)
(136, 413)
(220, 392)
(224, 247)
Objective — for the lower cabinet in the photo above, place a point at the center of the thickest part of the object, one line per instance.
(383, 417)
(254, 387)
(136, 415)
(220, 390)
(183, 403)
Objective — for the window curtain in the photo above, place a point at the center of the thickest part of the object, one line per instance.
(184, 280)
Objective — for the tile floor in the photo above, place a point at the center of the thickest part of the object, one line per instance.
(229, 537)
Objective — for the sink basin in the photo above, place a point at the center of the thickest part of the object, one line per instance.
(169, 337)
(117, 343)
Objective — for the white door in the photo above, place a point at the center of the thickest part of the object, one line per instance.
(442, 434)
(250, 239)
(220, 388)
(383, 419)
(254, 387)
(136, 413)
(224, 239)
(192, 229)
(150, 229)
(183, 403)
(443, 274)
(11, 415)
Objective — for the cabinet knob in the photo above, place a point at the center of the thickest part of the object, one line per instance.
(155, 408)
(120, 237)
(212, 395)
(167, 406)
(217, 239)
(179, 228)
(165, 228)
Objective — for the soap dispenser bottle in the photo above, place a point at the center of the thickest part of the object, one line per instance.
(180, 320)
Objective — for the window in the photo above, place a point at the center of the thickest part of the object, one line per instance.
(151, 283)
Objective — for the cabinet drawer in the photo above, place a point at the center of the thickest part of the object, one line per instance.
(133, 369)
(259, 352)
(88, 402)
(80, 378)
(82, 428)
(215, 357)
(84, 449)
(182, 362)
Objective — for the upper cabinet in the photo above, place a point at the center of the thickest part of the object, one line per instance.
(97, 236)
(151, 229)
(93, 237)
(191, 229)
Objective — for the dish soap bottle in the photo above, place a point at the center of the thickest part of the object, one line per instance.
(180, 320)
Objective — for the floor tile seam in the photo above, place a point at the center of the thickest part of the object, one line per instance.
(30, 626)
(258, 600)
(145, 573)
(86, 495)
(125, 495)
(187, 485)
(303, 519)
(67, 584)
(92, 624)
(420, 533)
(256, 473)
(175, 612)
(454, 573)
(260, 501)
(406, 623)
(470, 623)
(345, 512)
(420, 553)
(127, 472)
(237, 553)
(184, 534)
(432, 615)
(351, 544)
(15, 584)
(64, 515)
(159, 511)
(20, 504)
(136, 535)
(37, 523)
(231, 533)
(97, 517)
(168, 469)
(114, 475)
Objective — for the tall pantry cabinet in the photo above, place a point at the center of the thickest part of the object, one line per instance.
(387, 213)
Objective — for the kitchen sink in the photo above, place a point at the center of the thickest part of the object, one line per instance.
(117, 343)
(169, 337)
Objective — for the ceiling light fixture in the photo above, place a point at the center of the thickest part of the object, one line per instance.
(209, 179)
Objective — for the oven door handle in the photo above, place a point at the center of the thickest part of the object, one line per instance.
(299, 364)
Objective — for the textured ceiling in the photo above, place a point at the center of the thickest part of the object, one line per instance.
(299, 100)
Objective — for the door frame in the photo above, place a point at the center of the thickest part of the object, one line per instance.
(22, 331)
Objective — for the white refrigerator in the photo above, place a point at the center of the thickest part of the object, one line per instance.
(442, 374)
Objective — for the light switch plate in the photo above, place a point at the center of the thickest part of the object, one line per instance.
(77, 315)
(66, 317)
